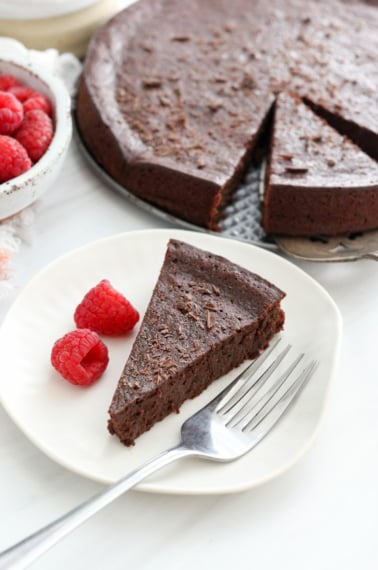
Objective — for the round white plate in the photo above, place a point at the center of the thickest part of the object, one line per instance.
(69, 423)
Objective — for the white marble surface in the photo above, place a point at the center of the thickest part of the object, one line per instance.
(322, 514)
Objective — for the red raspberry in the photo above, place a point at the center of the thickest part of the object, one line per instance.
(106, 311)
(11, 113)
(38, 102)
(35, 133)
(80, 357)
(22, 92)
(31, 99)
(14, 159)
(8, 81)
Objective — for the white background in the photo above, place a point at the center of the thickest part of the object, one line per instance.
(322, 514)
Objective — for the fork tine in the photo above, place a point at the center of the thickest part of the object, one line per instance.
(272, 411)
(227, 395)
(250, 388)
(252, 409)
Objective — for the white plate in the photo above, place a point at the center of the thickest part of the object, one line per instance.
(68, 423)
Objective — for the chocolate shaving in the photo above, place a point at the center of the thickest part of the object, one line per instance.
(201, 163)
(296, 169)
(184, 306)
(202, 288)
(210, 319)
(164, 101)
(229, 27)
(168, 362)
(248, 82)
(151, 82)
(180, 38)
(147, 48)
(193, 316)
(214, 106)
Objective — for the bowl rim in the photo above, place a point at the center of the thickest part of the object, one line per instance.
(62, 121)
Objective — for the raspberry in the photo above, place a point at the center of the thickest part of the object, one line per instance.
(80, 357)
(11, 113)
(38, 102)
(8, 81)
(31, 99)
(14, 159)
(22, 92)
(35, 133)
(106, 311)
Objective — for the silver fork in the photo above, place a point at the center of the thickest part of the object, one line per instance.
(232, 424)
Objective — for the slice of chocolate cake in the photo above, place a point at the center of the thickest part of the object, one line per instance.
(318, 182)
(205, 317)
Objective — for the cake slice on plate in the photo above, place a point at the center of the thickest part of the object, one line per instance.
(205, 317)
(318, 181)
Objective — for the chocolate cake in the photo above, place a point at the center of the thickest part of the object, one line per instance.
(205, 317)
(317, 180)
(176, 94)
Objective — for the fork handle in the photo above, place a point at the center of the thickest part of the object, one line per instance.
(30, 548)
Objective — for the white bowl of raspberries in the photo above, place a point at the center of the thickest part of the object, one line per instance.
(35, 132)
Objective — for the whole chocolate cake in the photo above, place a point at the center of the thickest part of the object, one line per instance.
(205, 317)
(317, 180)
(175, 94)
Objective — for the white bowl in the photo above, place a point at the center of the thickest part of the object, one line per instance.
(23, 190)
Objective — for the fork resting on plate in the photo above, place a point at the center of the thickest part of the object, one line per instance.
(229, 426)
